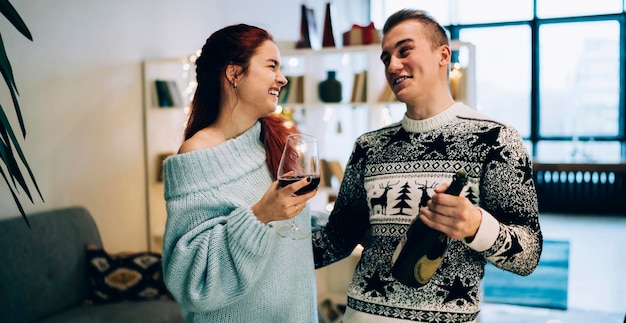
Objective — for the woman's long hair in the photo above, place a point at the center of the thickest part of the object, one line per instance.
(233, 44)
(274, 135)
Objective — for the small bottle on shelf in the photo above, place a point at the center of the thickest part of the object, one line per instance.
(421, 249)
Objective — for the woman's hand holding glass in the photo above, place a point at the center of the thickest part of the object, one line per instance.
(281, 203)
(300, 160)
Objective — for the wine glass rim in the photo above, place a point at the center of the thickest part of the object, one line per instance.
(302, 137)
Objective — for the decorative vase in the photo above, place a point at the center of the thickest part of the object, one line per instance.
(330, 89)
(308, 29)
(328, 38)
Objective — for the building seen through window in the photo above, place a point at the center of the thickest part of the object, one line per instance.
(553, 72)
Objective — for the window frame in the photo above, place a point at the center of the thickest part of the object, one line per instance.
(535, 24)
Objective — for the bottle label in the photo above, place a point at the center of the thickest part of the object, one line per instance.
(421, 249)
(425, 268)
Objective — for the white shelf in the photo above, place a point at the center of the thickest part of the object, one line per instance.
(163, 134)
(337, 125)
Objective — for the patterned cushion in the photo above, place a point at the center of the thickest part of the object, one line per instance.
(124, 276)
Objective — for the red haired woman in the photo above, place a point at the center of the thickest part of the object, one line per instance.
(222, 259)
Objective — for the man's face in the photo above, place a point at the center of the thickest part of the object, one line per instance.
(412, 66)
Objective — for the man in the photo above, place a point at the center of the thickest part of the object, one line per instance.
(400, 172)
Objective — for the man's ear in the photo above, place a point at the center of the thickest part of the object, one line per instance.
(446, 55)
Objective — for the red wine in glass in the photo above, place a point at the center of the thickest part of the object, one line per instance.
(300, 160)
(315, 181)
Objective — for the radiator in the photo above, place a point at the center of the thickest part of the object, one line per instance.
(581, 188)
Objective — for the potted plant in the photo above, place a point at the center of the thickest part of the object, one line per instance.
(12, 172)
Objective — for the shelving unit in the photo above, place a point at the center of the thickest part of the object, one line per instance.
(337, 125)
(163, 133)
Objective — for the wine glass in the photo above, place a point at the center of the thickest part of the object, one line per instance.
(300, 159)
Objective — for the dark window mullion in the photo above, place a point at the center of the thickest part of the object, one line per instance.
(534, 87)
(535, 119)
(622, 92)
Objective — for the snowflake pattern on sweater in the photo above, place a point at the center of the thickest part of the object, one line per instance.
(392, 172)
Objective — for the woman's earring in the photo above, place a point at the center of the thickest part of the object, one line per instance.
(235, 85)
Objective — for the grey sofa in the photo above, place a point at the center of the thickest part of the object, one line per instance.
(44, 276)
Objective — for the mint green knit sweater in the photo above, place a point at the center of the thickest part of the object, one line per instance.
(219, 262)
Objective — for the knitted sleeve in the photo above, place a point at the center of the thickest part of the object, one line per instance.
(508, 194)
(211, 258)
(214, 248)
(349, 220)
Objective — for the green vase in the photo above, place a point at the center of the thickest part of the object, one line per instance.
(330, 89)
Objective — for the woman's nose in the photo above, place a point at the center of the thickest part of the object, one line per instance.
(281, 79)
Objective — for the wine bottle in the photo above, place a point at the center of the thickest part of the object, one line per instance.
(421, 249)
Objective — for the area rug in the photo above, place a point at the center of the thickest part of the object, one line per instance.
(545, 287)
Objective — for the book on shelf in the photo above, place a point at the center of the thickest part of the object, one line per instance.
(359, 87)
(458, 88)
(363, 87)
(387, 95)
(293, 92)
(177, 97)
(284, 92)
(168, 94)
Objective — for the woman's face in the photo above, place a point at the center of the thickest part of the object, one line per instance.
(259, 87)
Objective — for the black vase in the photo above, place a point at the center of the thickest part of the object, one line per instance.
(328, 38)
(330, 89)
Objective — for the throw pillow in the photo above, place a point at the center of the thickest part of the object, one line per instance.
(124, 276)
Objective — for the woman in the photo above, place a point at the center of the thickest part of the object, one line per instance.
(222, 259)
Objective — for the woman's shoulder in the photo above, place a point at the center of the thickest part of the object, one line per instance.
(205, 138)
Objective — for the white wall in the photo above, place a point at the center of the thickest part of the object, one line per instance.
(81, 94)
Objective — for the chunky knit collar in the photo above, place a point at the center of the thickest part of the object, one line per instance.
(443, 118)
(202, 168)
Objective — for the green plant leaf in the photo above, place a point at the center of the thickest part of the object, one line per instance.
(14, 169)
(17, 201)
(7, 73)
(13, 176)
(9, 160)
(5, 66)
(11, 14)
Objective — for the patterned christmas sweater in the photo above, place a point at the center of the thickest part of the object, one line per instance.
(391, 173)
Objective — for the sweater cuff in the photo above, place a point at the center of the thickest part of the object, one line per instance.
(487, 233)
(249, 232)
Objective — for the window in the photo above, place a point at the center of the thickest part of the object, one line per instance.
(482, 11)
(380, 10)
(503, 73)
(570, 8)
(554, 72)
(579, 79)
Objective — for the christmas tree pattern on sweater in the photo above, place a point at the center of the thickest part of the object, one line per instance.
(392, 172)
